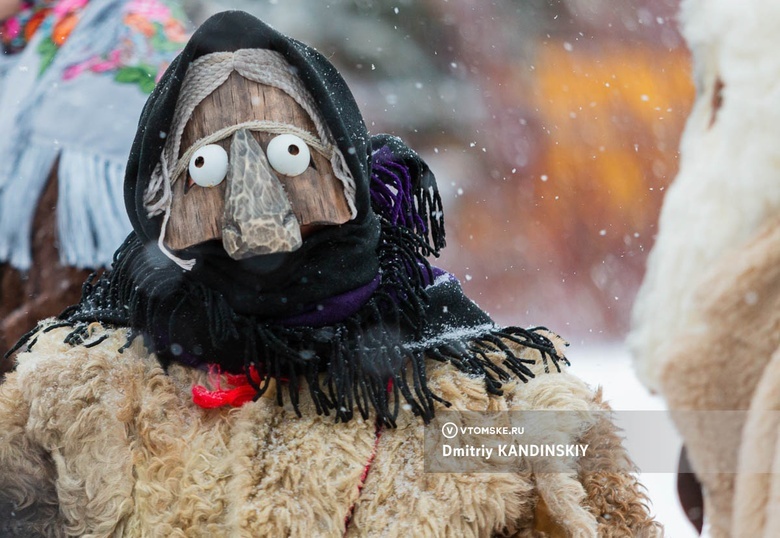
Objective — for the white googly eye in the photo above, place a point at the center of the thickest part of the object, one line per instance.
(288, 155)
(209, 165)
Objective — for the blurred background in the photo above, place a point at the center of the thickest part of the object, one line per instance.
(552, 127)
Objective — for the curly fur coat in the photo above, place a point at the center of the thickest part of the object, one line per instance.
(729, 360)
(97, 443)
(706, 327)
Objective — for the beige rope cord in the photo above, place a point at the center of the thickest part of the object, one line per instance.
(265, 126)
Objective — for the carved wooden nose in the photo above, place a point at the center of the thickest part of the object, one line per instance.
(258, 217)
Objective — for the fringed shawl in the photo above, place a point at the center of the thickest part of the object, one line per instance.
(74, 107)
(372, 360)
(354, 314)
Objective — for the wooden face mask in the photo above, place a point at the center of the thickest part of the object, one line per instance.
(253, 171)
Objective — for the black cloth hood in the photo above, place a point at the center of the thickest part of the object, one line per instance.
(334, 260)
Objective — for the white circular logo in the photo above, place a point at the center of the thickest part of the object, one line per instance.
(449, 430)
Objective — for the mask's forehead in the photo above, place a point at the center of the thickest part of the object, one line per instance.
(239, 100)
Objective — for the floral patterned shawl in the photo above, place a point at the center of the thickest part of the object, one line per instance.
(74, 75)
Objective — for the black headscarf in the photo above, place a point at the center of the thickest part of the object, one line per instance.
(355, 312)
(283, 283)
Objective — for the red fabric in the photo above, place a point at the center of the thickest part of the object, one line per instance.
(210, 399)
(242, 392)
(363, 476)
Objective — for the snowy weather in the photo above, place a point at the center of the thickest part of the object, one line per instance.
(253, 251)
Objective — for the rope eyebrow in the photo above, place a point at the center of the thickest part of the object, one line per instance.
(263, 66)
(265, 126)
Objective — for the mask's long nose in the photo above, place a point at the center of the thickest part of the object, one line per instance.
(258, 217)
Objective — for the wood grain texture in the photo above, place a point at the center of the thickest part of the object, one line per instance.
(316, 196)
(258, 216)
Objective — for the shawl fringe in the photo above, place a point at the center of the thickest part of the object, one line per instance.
(91, 220)
(18, 201)
(373, 359)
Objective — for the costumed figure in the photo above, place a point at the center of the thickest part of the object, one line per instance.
(74, 76)
(705, 326)
(264, 354)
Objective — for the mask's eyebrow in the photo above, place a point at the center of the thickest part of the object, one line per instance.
(265, 126)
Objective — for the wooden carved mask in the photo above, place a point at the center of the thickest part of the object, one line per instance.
(253, 172)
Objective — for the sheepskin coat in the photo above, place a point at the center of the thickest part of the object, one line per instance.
(706, 325)
(729, 360)
(726, 187)
(99, 443)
